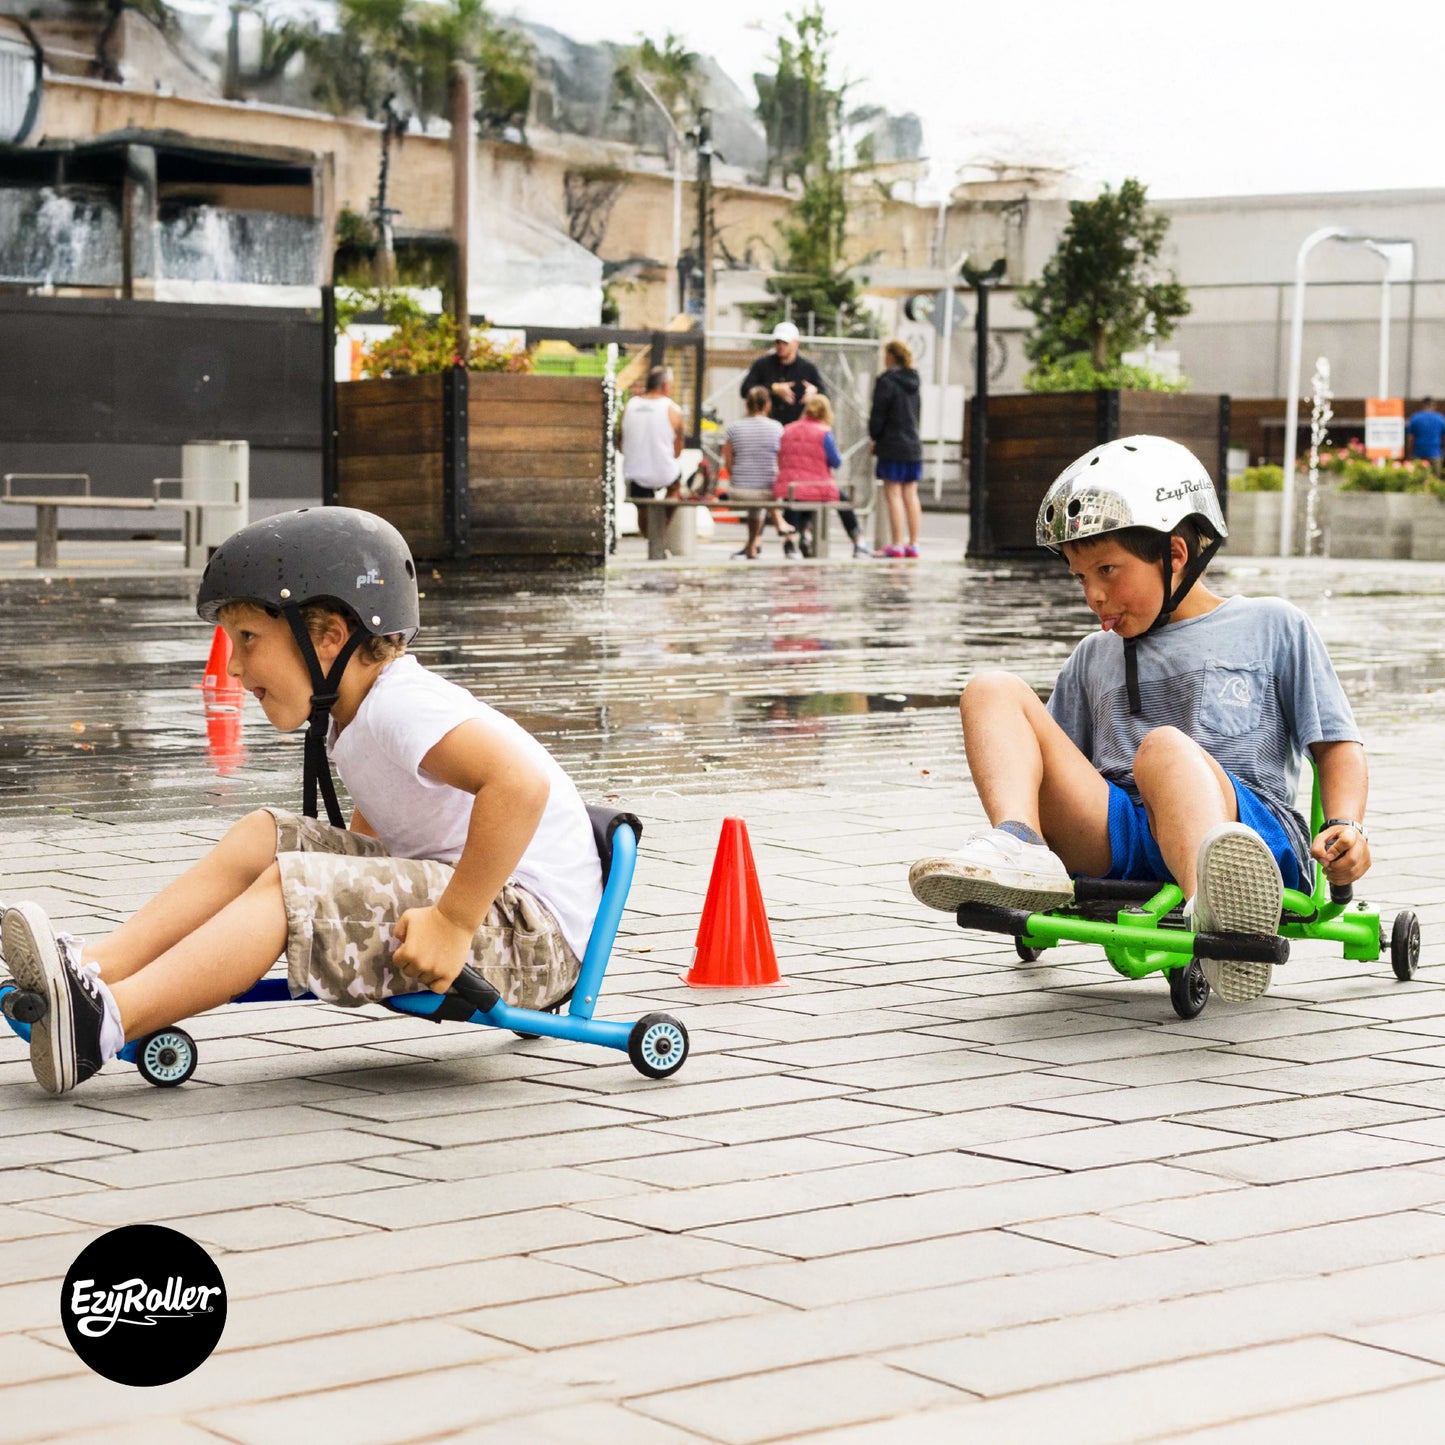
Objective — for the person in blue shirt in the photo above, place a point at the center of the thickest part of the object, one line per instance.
(1423, 434)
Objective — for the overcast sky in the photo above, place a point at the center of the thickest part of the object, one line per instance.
(1221, 98)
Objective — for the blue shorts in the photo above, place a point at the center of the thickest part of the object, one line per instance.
(1135, 854)
(900, 471)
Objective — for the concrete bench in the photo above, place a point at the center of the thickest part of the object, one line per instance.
(47, 507)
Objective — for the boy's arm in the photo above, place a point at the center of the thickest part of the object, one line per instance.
(1344, 790)
(511, 795)
(360, 825)
(675, 417)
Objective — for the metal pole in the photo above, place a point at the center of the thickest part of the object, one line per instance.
(1291, 406)
(1385, 334)
(463, 105)
(677, 220)
(651, 94)
(943, 362)
(980, 542)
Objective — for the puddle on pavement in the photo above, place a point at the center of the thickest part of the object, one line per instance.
(701, 679)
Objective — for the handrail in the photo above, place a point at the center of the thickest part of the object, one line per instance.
(46, 477)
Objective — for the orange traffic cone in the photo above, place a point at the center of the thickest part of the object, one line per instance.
(215, 676)
(734, 943)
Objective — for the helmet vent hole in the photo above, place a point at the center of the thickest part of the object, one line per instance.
(1128, 448)
(1075, 507)
(1094, 462)
(410, 569)
(1050, 512)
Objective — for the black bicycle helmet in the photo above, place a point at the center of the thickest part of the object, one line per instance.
(340, 555)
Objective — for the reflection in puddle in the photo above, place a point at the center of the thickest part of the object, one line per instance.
(706, 679)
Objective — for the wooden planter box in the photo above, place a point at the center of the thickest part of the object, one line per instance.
(478, 464)
(1032, 438)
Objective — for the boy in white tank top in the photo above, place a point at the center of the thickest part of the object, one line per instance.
(468, 843)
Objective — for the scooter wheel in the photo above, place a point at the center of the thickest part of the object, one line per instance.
(1188, 989)
(166, 1058)
(1027, 954)
(23, 1005)
(657, 1045)
(1405, 945)
(525, 1038)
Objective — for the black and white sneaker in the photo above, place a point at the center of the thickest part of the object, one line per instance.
(65, 1044)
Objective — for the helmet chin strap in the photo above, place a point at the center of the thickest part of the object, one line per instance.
(325, 688)
(1192, 571)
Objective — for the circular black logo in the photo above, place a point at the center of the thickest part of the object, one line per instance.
(143, 1305)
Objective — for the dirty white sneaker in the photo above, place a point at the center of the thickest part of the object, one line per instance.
(993, 867)
(1239, 890)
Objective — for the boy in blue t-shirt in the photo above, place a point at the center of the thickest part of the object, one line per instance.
(1173, 741)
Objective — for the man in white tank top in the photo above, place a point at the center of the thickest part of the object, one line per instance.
(652, 439)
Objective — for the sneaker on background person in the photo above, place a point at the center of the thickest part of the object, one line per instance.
(995, 866)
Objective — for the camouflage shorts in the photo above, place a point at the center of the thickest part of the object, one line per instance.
(343, 892)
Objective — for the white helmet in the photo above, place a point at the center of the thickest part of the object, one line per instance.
(1140, 481)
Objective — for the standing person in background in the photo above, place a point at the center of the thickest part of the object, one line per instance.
(1423, 434)
(893, 425)
(788, 379)
(807, 458)
(750, 453)
(652, 443)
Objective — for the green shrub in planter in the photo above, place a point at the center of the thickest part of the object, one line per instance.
(1365, 476)
(1077, 372)
(1258, 479)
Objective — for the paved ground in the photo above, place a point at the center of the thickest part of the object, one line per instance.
(924, 1192)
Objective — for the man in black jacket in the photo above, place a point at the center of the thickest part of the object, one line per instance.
(789, 380)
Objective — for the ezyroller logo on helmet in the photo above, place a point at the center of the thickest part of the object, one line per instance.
(1174, 494)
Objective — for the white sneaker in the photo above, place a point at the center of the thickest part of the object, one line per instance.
(993, 867)
(1239, 890)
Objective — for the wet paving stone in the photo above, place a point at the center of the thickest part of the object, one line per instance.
(700, 679)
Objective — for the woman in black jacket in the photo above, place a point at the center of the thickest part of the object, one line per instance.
(893, 425)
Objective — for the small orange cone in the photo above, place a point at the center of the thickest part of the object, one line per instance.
(215, 676)
(734, 943)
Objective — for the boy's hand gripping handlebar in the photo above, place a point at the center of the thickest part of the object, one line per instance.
(472, 988)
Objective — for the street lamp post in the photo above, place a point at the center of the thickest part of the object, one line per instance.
(676, 269)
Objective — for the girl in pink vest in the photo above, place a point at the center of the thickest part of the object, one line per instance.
(807, 458)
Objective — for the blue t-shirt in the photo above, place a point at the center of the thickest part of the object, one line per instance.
(1426, 429)
(1250, 682)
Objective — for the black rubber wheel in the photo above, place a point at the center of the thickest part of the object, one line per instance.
(24, 1005)
(1029, 955)
(1405, 945)
(167, 1058)
(1188, 989)
(657, 1045)
(526, 1038)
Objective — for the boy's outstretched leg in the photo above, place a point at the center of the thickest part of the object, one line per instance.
(87, 1022)
(1047, 805)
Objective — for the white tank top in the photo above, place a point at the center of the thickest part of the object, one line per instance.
(647, 442)
(407, 711)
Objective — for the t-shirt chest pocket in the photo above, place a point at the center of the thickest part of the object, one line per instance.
(1233, 699)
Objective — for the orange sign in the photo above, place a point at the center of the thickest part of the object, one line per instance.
(1384, 428)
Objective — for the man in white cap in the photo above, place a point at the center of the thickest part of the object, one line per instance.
(789, 380)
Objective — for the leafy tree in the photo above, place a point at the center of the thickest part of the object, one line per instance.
(798, 104)
(671, 71)
(801, 108)
(392, 59)
(1104, 291)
